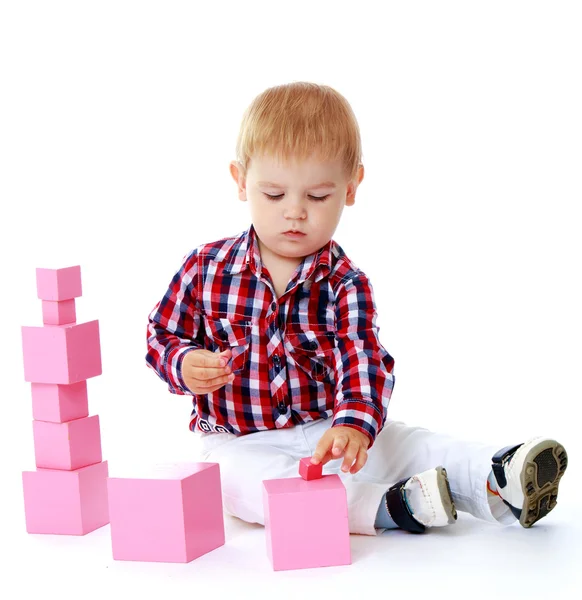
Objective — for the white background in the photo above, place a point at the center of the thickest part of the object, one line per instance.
(117, 124)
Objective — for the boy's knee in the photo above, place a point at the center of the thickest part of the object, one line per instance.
(245, 468)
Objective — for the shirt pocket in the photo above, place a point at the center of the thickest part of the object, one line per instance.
(223, 334)
(312, 350)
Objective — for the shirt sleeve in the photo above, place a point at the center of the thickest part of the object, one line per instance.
(364, 369)
(174, 326)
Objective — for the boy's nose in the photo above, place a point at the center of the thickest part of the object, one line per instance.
(296, 210)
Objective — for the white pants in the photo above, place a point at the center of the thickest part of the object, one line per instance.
(398, 452)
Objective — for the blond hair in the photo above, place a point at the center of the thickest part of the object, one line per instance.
(295, 120)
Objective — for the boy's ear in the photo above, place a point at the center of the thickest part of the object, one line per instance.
(353, 186)
(236, 171)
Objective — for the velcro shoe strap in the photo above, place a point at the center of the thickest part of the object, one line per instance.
(399, 511)
(498, 461)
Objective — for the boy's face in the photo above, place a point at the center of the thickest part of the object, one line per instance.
(296, 206)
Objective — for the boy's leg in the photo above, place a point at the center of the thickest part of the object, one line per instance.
(246, 461)
(401, 451)
(417, 498)
(524, 485)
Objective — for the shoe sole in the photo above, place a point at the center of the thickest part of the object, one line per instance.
(543, 467)
(445, 493)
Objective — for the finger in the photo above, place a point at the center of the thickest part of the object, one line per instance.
(321, 450)
(203, 374)
(209, 359)
(360, 461)
(224, 356)
(326, 458)
(350, 454)
(211, 385)
(316, 459)
(339, 444)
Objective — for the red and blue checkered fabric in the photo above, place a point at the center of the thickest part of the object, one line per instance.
(313, 353)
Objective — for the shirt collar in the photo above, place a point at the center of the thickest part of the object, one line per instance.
(245, 252)
(316, 265)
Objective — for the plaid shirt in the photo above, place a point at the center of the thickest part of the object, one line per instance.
(313, 353)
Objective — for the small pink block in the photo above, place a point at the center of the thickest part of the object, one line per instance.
(58, 403)
(59, 284)
(175, 515)
(58, 313)
(69, 446)
(309, 471)
(306, 522)
(62, 354)
(66, 502)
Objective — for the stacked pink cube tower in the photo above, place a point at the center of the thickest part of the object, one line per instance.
(67, 494)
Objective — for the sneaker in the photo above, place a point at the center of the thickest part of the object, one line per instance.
(528, 476)
(422, 501)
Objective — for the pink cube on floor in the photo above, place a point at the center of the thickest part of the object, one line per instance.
(62, 354)
(70, 445)
(58, 403)
(66, 502)
(59, 284)
(58, 313)
(306, 522)
(309, 471)
(172, 515)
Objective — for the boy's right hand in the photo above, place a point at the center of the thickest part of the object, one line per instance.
(204, 371)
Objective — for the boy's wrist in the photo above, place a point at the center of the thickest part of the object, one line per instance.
(173, 367)
(370, 434)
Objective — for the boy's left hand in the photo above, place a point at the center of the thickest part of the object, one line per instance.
(343, 441)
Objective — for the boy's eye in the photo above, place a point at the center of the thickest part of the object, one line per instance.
(316, 198)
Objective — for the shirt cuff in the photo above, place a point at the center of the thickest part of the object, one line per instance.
(361, 414)
(173, 369)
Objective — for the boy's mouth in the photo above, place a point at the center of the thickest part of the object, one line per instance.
(294, 234)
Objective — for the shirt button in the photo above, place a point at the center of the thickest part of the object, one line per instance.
(282, 408)
(276, 360)
(274, 306)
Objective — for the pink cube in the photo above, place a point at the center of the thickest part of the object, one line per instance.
(173, 515)
(66, 502)
(306, 522)
(59, 284)
(309, 471)
(69, 446)
(62, 354)
(58, 403)
(58, 313)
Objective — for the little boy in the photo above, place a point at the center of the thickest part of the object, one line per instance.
(273, 333)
